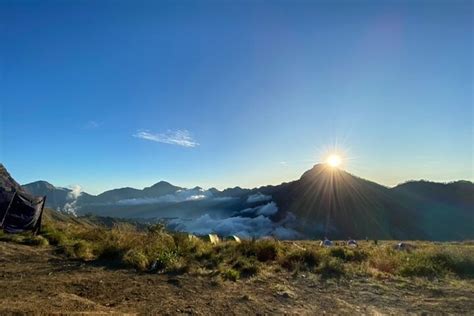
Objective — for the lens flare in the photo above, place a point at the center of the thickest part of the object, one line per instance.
(334, 160)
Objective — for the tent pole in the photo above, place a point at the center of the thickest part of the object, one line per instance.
(8, 208)
(38, 225)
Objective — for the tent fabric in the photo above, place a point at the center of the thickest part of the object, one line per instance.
(19, 210)
(23, 214)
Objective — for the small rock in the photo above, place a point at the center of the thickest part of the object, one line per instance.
(286, 294)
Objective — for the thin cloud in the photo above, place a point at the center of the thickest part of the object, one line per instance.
(92, 125)
(178, 137)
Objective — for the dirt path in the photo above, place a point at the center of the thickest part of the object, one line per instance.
(36, 280)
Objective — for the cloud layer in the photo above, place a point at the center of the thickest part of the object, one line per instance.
(179, 196)
(178, 137)
(258, 197)
(244, 227)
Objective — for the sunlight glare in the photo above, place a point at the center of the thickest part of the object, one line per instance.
(334, 160)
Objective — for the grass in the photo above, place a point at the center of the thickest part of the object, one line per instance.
(159, 251)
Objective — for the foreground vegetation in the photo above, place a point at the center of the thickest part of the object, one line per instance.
(159, 251)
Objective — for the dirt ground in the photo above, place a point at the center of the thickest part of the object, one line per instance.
(38, 280)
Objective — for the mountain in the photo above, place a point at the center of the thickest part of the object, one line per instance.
(446, 210)
(159, 189)
(55, 197)
(323, 201)
(330, 201)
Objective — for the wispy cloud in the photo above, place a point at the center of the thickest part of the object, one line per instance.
(178, 137)
(92, 125)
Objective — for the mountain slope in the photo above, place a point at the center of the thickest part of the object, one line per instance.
(56, 197)
(445, 210)
(329, 201)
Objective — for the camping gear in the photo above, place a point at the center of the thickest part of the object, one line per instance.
(19, 210)
(212, 238)
(326, 243)
(233, 238)
(352, 243)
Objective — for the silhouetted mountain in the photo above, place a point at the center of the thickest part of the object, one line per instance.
(330, 201)
(324, 201)
(56, 197)
(117, 195)
(159, 189)
(236, 191)
(445, 210)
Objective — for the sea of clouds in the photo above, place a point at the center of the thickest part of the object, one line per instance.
(179, 196)
(254, 222)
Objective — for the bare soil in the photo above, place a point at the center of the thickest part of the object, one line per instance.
(38, 280)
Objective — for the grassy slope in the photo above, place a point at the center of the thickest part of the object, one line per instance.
(156, 250)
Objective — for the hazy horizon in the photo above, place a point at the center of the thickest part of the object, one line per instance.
(223, 94)
(83, 187)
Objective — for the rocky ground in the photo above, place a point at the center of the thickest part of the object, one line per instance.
(36, 279)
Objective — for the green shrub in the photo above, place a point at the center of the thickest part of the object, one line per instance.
(19, 239)
(136, 259)
(208, 257)
(231, 275)
(55, 237)
(346, 254)
(263, 250)
(331, 266)
(435, 262)
(83, 250)
(247, 267)
(385, 260)
(300, 260)
(164, 260)
(462, 263)
(36, 241)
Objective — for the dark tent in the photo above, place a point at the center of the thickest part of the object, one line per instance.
(19, 210)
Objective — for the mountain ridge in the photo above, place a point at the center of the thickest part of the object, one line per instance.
(324, 200)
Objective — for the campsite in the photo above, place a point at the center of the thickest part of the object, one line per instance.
(38, 279)
(236, 157)
(80, 265)
(55, 262)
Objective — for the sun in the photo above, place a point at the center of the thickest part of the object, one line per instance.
(334, 160)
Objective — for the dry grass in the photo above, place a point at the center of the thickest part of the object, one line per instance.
(157, 250)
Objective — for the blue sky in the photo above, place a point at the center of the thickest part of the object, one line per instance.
(222, 93)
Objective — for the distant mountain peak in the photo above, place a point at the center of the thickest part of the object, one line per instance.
(161, 183)
(42, 184)
(322, 169)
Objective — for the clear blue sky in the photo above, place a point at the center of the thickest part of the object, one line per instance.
(107, 94)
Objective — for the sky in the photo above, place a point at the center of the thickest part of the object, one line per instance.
(108, 94)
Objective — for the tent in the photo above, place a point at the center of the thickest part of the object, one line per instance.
(212, 238)
(19, 210)
(325, 243)
(352, 243)
(233, 238)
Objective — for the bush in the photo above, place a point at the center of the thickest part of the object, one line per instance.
(347, 255)
(385, 260)
(462, 263)
(246, 267)
(36, 241)
(19, 239)
(263, 250)
(83, 250)
(434, 262)
(136, 259)
(231, 274)
(331, 267)
(300, 260)
(55, 237)
(164, 260)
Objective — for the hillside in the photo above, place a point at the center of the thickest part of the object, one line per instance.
(329, 201)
